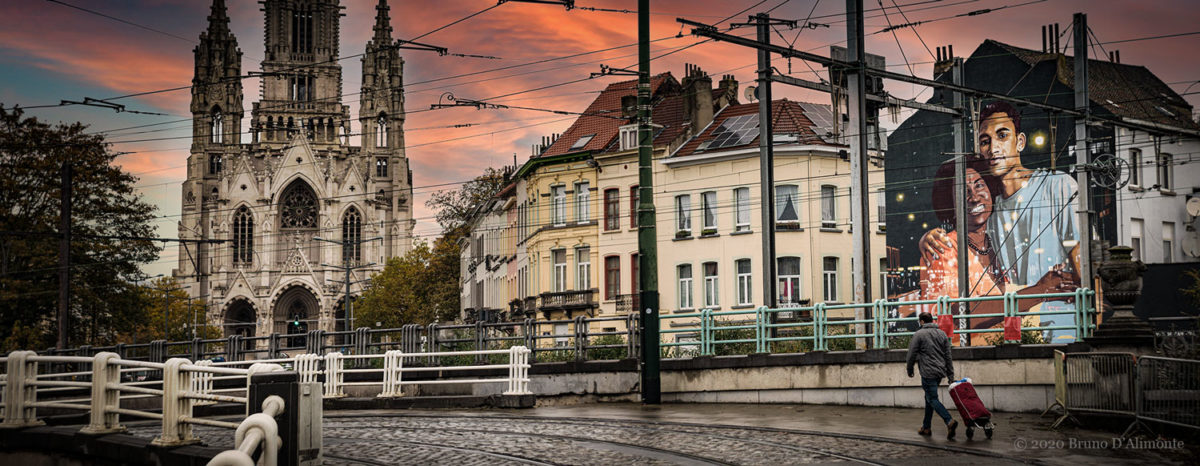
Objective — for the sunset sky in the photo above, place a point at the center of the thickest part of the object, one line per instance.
(51, 52)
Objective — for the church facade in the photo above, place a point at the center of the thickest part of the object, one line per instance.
(294, 205)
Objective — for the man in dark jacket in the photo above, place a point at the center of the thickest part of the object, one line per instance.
(930, 348)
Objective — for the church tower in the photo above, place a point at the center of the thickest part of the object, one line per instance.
(301, 76)
(216, 135)
(381, 118)
(304, 217)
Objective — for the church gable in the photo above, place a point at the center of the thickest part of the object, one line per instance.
(298, 161)
(243, 184)
(352, 182)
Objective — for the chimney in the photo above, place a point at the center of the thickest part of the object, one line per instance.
(697, 97)
(945, 59)
(729, 91)
(1044, 39)
(629, 106)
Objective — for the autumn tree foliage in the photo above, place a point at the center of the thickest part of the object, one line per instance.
(108, 217)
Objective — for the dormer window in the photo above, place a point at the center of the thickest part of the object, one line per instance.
(582, 141)
(629, 137)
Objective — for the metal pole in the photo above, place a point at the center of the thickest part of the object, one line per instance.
(1082, 154)
(647, 245)
(64, 257)
(766, 166)
(960, 185)
(166, 314)
(856, 86)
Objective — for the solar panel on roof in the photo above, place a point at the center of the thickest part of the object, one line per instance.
(734, 131)
(822, 118)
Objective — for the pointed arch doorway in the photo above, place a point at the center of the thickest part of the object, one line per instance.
(296, 311)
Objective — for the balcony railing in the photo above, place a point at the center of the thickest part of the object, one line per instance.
(628, 303)
(568, 300)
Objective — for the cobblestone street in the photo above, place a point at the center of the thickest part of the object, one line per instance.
(625, 433)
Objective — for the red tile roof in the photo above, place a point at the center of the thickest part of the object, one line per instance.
(597, 121)
(788, 118)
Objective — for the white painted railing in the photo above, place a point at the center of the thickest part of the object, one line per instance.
(257, 429)
(183, 386)
(332, 366)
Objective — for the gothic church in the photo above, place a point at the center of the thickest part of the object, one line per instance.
(293, 177)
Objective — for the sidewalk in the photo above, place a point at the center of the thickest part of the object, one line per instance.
(1018, 436)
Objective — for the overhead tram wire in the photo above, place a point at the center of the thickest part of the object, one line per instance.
(914, 29)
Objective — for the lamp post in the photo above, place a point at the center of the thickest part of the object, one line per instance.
(137, 283)
(167, 309)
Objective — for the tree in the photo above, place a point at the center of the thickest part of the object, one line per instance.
(107, 215)
(454, 207)
(185, 313)
(420, 287)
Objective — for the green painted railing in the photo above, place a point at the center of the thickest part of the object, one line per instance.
(754, 326)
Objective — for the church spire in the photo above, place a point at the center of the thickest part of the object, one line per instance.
(383, 24)
(218, 19)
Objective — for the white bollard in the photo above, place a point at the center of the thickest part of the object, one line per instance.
(176, 406)
(333, 375)
(19, 396)
(105, 400)
(393, 374)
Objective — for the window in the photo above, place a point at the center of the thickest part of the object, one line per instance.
(745, 295)
(582, 200)
(634, 197)
(381, 131)
(559, 256)
(1168, 239)
(741, 199)
(381, 167)
(708, 203)
(583, 268)
(880, 209)
(883, 278)
(786, 210)
(218, 126)
(1164, 171)
(612, 277)
(828, 206)
(214, 164)
(612, 209)
(829, 272)
(243, 236)
(558, 205)
(711, 285)
(635, 279)
(582, 141)
(1137, 230)
(629, 134)
(684, 272)
(302, 32)
(788, 270)
(683, 214)
(1135, 167)
(352, 237)
(299, 207)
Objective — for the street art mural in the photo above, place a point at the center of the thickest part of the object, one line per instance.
(1021, 232)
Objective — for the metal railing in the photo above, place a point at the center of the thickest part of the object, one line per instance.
(702, 332)
(1148, 389)
(108, 380)
(258, 430)
(330, 369)
(764, 329)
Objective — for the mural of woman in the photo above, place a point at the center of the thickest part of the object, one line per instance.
(986, 273)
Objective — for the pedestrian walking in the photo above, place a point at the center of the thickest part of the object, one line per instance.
(930, 348)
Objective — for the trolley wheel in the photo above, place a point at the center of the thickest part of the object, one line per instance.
(988, 431)
(971, 432)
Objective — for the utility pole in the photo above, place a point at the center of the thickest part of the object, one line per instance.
(856, 87)
(1083, 154)
(64, 257)
(647, 230)
(346, 268)
(960, 184)
(766, 165)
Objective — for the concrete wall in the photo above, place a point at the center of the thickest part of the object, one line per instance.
(1008, 379)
